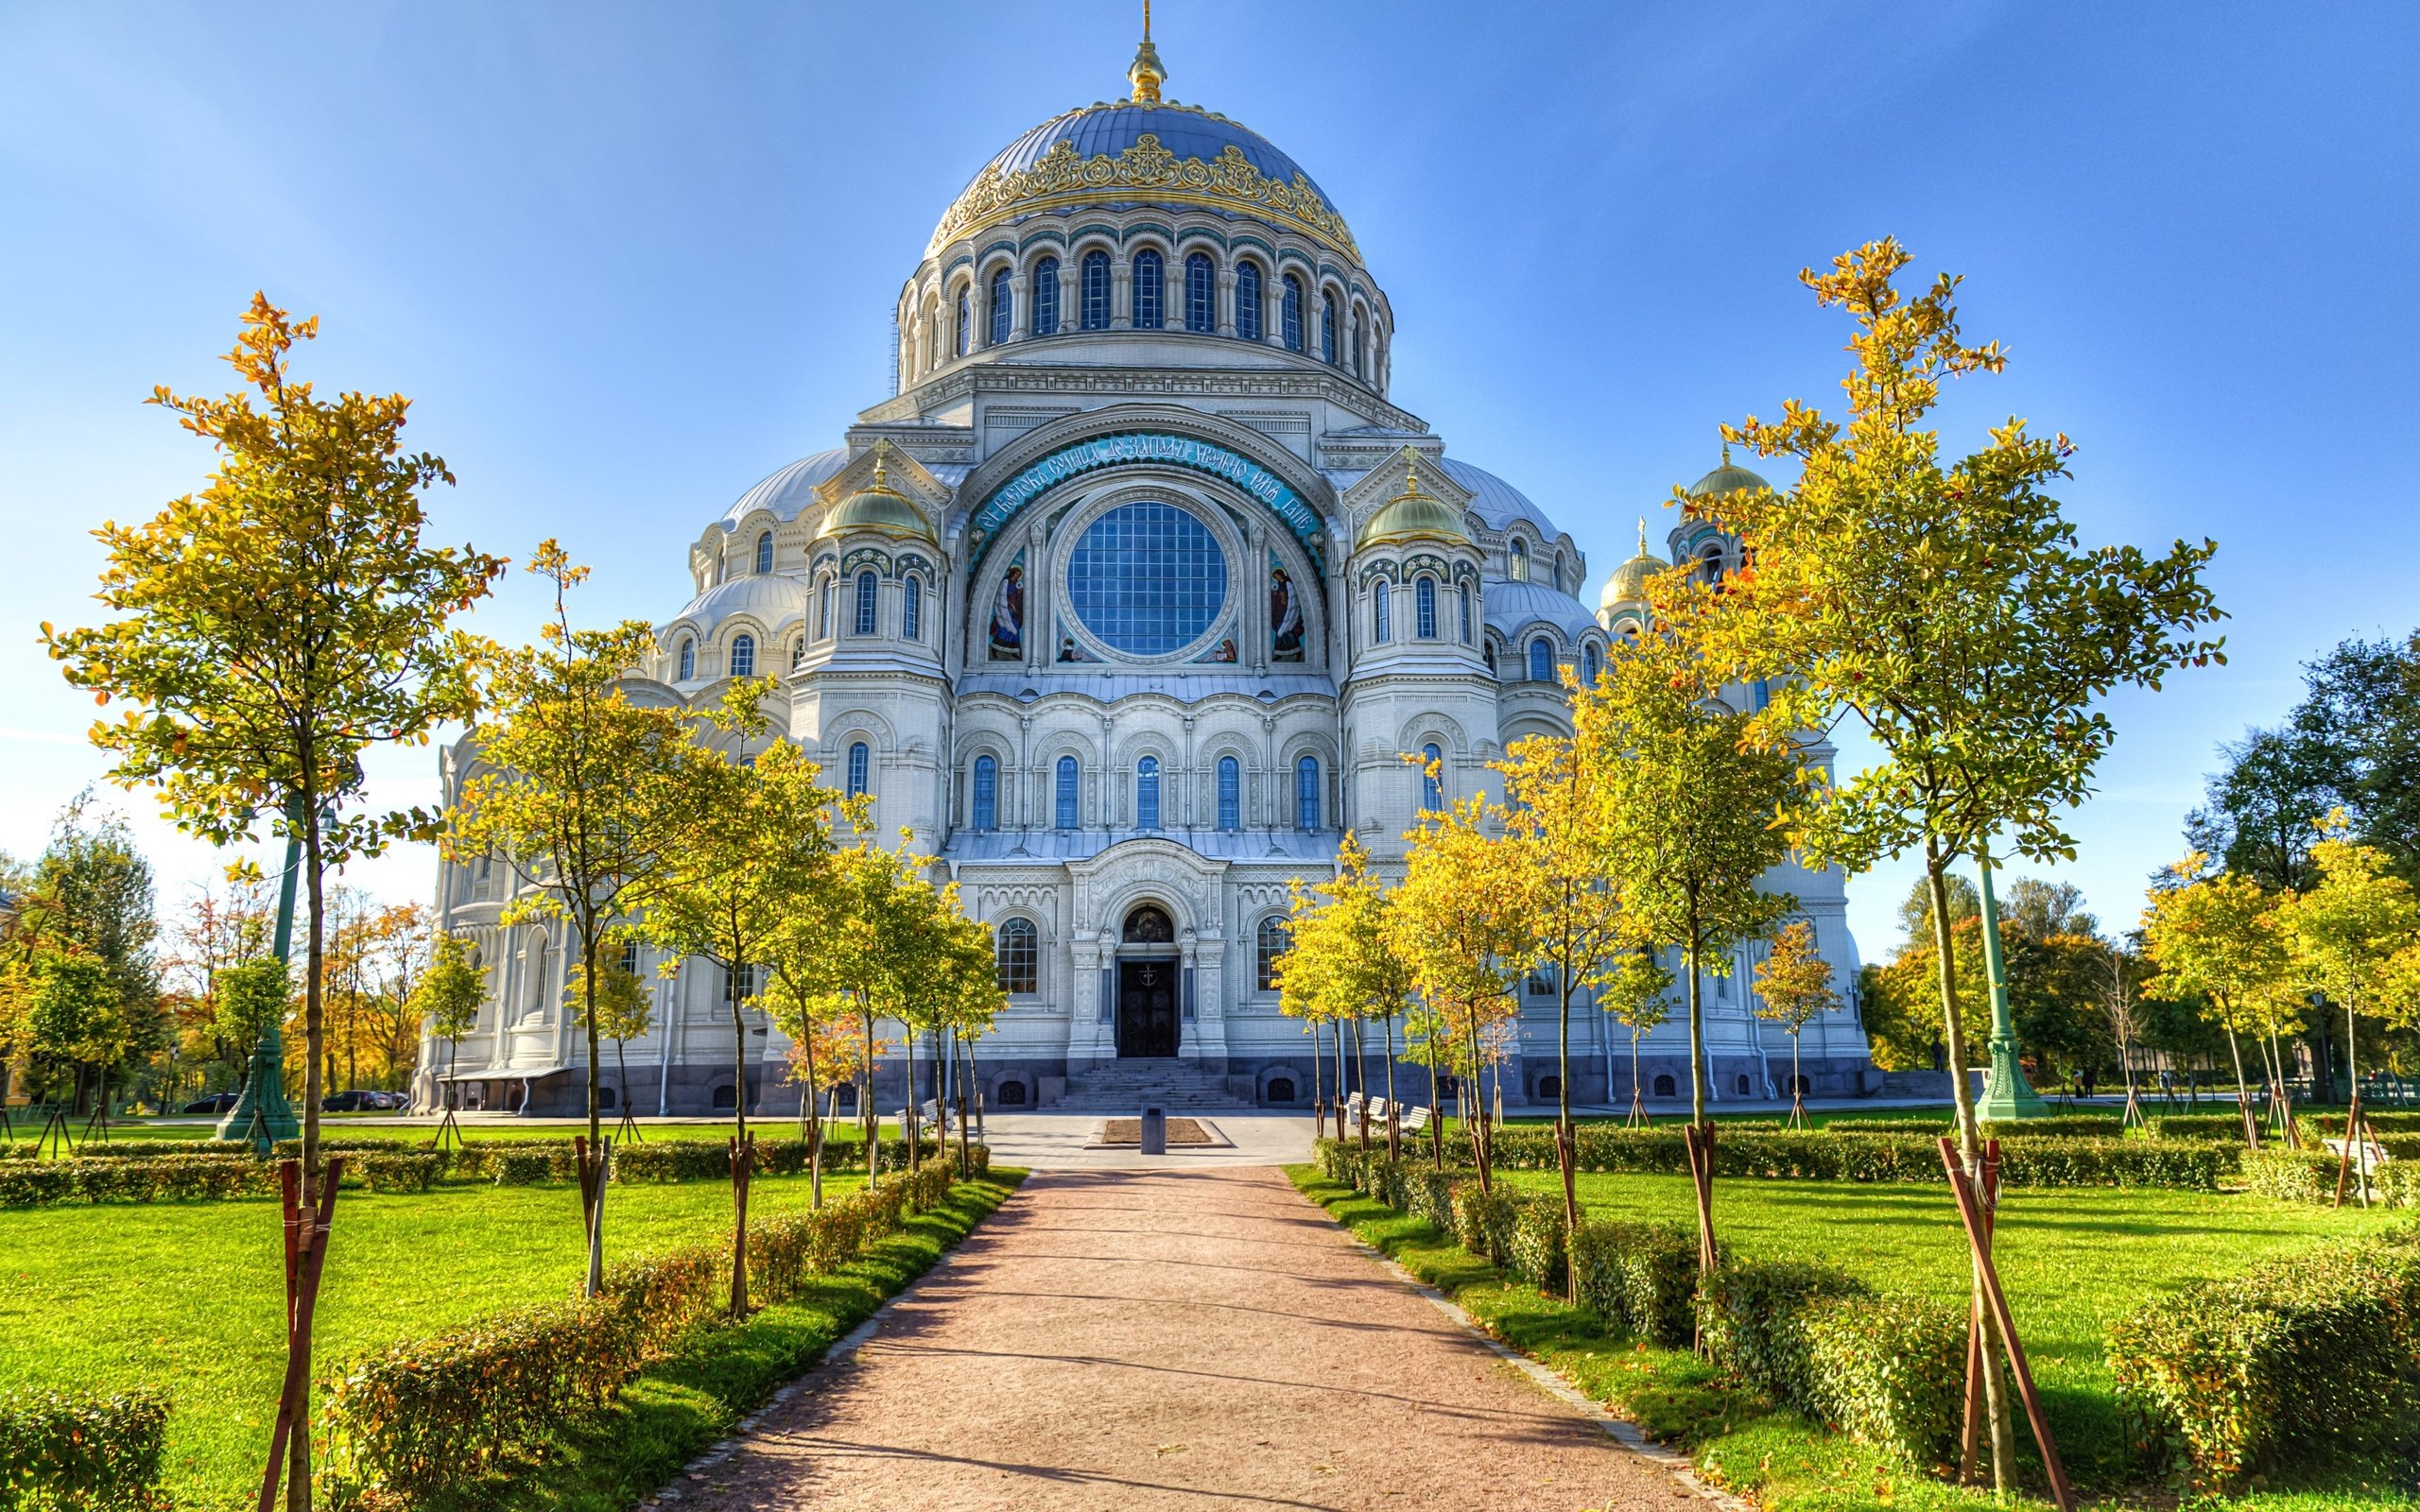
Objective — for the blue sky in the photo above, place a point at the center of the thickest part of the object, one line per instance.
(629, 259)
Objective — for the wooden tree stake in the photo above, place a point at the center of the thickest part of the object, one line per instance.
(1979, 1237)
(307, 1253)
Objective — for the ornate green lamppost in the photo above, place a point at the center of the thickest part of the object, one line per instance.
(261, 1116)
(2006, 1092)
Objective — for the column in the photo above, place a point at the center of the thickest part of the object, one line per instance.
(1121, 293)
(1226, 319)
(1068, 311)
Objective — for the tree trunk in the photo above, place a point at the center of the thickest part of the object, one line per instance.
(1361, 1081)
(1702, 1165)
(592, 1187)
(1475, 1119)
(1394, 1120)
(2243, 1094)
(811, 1117)
(1318, 1087)
(1436, 1111)
(297, 1485)
(866, 1113)
(1567, 1145)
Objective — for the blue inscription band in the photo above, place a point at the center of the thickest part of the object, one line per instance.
(1147, 446)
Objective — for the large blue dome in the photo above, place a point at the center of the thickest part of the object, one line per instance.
(1188, 132)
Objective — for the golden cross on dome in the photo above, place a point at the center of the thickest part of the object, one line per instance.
(1642, 535)
(881, 450)
(1146, 73)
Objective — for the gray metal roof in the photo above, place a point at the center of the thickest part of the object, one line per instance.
(1240, 847)
(1512, 608)
(788, 491)
(1497, 502)
(1189, 683)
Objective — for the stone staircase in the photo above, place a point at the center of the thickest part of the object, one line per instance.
(1124, 1087)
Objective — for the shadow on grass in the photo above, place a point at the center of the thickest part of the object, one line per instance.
(681, 1406)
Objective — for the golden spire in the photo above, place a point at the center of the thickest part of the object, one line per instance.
(1145, 72)
(1726, 454)
(1411, 476)
(1642, 535)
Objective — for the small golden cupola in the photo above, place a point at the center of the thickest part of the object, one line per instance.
(1629, 583)
(1413, 515)
(1146, 73)
(878, 509)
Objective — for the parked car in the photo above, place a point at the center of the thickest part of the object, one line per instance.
(214, 1103)
(352, 1102)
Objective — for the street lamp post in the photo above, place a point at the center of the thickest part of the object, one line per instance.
(2006, 1092)
(261, 1116)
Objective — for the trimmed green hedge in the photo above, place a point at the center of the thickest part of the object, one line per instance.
(2050, 1161)
(91, 1452)
(1640, 1277)
(2305, 1360)
(2309, 1175)
(32, 1183)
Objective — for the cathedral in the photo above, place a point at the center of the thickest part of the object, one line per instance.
(1126, 607)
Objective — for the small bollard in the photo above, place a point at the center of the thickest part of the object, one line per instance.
(1155, 1131)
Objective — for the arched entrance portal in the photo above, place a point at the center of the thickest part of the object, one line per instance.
(1148, 978)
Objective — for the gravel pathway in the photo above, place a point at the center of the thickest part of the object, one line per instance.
(1195, 1339)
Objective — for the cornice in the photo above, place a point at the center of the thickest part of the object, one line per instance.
(977, 376)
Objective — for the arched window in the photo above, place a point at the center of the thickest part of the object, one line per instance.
(865, 602)
(1424, 598)
(1248, 300)
(1432, 778)
(1010, 1093)
(1359, 322)
(743, 655)
(1147, 793)
(965, 320)
(1558, 567)
(823, 616)
(1663, 1087)
(1095, 311)
(1519, 556)
(629, 959)
(1045, 296)
(1463, 592)
(1201, 294)
(1150, 287)
(1270, 943)
(1290, 314)
(1541, 661)
(1000, 301)
(1328, 330)
(1306, 793)
(911, 608)
(688, 659)
(1067, 792)
(987, 794)
(798, 651)
(1231, 794)
(860, 767)
(1710, 566)
(1020, 958)
(1590, 664)
(764, 551)
(1381, 622)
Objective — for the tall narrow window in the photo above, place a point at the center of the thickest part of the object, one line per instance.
(1289, 312)
(743, 655)
(823, 618)
(1000, 312)
(1147, 793)
(1020, 956)
(629, 959)
(965, 320)
(1269, 945)
(1590, 664)
(1380, 628)
(798, 651)
(1306, 793)
(987, 794)
(1094, 314)
(1710, 566)
(1231, 794)
(1424, 601)
(860, 768)
(1519, 555)
(1065, 795)
(1248, 300)
(1541, 661)
(1359, 322)
(764, 551)
(1045, 296)
(911, 608)
(1201, 295)
(1151, 290)
(688, 659)
(865, 602)
(1462, 591)
(1432, 778)
(1328, 330)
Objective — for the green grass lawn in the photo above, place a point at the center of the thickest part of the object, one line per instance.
(189, 1296)
(2071, 1260)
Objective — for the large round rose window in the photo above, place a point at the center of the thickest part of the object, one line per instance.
(1146, 579)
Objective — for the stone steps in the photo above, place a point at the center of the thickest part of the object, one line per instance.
(1125, 1086)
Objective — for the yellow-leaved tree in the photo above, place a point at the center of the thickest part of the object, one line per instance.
(2219, 939)
(1793, 988)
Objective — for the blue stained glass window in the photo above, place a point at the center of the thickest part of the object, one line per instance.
(743, 657)
(823, 620)
(1463, 592)
(1146, 578)
(865, 602)
(911, 608)
(688, 659)
(860, 768)
(1359, 372)
(1306, 793)
(1271, 942)
(987, 794)
(1248, 300)
(1381, 622)
(1541, 661)
(1231, 794)
(1201, 294)
(1065, 795)
(1520, 558)
(1045, 296)
(1328, 330)
(1147, 793)
(1000, 299)
(1020, 956)
(1432, 778)
(764, 551)
(965, 322)
(1151, 290)
(1590, 664)
(1291, 311)
(1424, 598)
(1095, 291)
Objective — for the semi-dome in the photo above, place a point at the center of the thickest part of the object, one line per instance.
(1149, 150)
(879, 508)
(1513, 607)
(772, 599)
(1413, 515)
(791, 491)
(1496, 502)
(1726, 479)
(1629, 583)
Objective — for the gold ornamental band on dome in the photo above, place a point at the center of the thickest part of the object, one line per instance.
(1062, 178)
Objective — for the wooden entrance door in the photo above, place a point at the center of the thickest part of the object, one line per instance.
(1146, 1008)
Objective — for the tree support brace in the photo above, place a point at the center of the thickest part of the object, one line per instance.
(1978, 1236)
